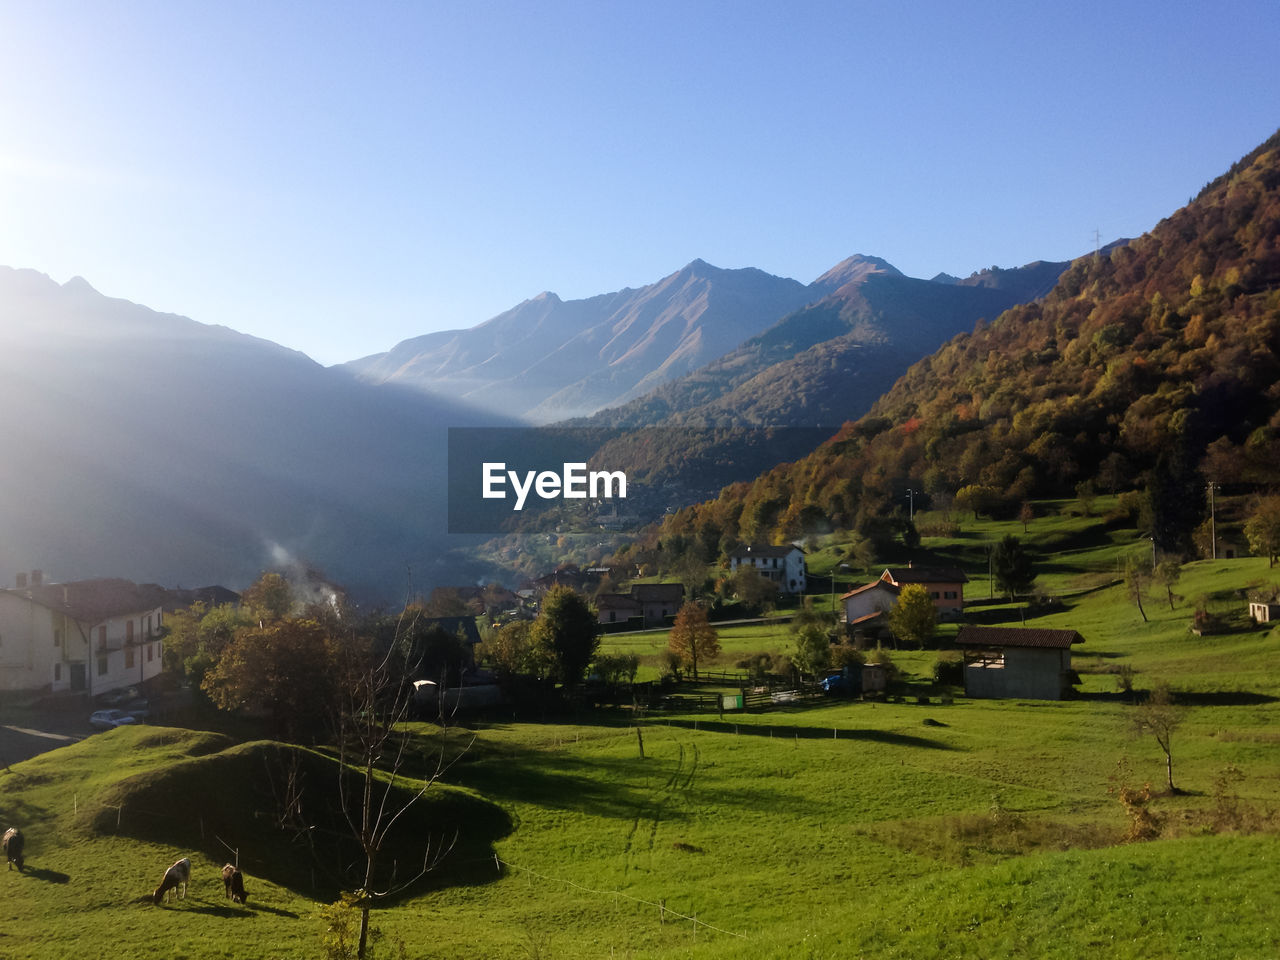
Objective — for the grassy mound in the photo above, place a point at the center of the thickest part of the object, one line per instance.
(279, 807)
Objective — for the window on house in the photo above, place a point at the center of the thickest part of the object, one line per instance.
(150, 653)
(128, 656)
(934, 594)
(950, 595)
(57, 672)
(102, 666)
(128, 631)
(102, 638)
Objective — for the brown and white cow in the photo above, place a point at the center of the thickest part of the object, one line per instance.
(174, 878)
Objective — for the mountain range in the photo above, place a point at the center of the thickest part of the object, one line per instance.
(149, 446)
(549, 359)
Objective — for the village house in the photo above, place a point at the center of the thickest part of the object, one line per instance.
(1017, 662)
(647, 605)
(783, 565)
(945, 586)
(90, 636)
(865, 607)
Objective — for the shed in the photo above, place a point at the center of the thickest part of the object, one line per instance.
(1006, 662)
(1264, 612)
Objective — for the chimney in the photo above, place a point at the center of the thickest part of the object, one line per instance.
(22, 581)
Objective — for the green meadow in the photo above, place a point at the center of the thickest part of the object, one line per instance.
(834, 830)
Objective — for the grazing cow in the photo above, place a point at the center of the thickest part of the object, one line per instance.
(233, 880)
(13, 844)
(175, 877)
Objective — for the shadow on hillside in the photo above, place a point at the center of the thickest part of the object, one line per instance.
(998, 616)
(220, 910)
(1223, 698)
(791, 732)
(48, 876)
(608, 787)
(1219, 698)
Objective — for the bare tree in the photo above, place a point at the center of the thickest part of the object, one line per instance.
(374, 750)
(1160, 717)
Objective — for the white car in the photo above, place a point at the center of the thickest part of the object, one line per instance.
(109, 719)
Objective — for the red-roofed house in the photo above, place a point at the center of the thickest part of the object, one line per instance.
(945, 585)
(1017, 662)
(88, 635)
(866, 606)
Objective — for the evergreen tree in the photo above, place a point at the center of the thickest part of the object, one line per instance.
(1012, 567)
(566, 633)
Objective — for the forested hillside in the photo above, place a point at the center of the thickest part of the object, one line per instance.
(1151, 365)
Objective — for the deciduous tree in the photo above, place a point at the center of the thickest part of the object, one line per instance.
(1137, 575)
(813, 649)
(1159, 716)
(268, 599)
(284, 670)
(1166, 574)
(692, 637)
(1262, 529)
(374, 749)
(756, 591)
(914, 617)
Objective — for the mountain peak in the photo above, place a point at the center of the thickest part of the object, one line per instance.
(852, 269)
(78, 285)
(698, 268)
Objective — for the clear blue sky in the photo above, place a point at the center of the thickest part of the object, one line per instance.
(338, 177)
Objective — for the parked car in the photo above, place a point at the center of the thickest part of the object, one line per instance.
(118, 697)
(837, 685)
(109, 719)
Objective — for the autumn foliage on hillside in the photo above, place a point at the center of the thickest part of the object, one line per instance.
(1155, 364)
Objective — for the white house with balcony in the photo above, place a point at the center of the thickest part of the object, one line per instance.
(783, 565)
(90, 636)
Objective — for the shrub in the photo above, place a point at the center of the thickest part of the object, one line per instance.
(844, 655)
(948, 669)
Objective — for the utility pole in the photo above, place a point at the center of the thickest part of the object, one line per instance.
(911, 505)
(1213, 528)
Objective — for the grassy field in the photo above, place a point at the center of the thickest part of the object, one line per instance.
(843, 829)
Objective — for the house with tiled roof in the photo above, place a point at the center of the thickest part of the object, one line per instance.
(866, 607)
(1017, 662)
(88, 635)
(647, 604)
(945, 586)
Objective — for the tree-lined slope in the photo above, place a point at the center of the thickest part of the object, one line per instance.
(1144, 362)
